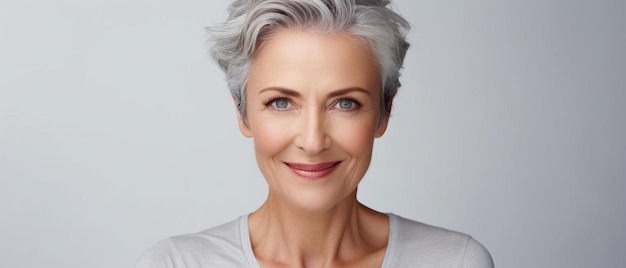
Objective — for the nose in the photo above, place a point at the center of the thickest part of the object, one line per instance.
(312, 132)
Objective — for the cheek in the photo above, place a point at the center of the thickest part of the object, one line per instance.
(356, 137)
(270, 137)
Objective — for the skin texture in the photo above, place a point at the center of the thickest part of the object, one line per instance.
(313, 111)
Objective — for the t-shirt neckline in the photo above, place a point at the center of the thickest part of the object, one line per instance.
(249, 254)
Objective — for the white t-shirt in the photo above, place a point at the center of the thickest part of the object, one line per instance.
(410, 244)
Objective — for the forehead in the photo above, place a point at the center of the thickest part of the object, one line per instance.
(300, 59)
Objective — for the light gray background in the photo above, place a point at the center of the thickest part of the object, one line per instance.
(116, 130)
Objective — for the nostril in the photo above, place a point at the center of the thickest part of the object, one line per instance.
(313, 141)
(312, 131)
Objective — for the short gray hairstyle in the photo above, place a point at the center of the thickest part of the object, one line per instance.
(235, 42)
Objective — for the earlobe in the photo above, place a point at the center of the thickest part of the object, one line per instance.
(243, 127)
(382, 127)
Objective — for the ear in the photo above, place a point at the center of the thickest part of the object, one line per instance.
(243, 126)
(382, 127)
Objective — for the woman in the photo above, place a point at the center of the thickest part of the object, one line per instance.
(314, 81)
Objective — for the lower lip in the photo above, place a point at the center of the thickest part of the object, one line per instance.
(313, 175)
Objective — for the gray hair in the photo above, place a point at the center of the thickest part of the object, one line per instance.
(235, 42)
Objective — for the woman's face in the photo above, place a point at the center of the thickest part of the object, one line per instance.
(313, 111)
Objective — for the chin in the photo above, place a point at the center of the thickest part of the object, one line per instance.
(317, 200)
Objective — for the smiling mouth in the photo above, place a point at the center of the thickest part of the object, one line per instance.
(313, 171)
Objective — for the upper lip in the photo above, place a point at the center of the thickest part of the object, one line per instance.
(312, 167)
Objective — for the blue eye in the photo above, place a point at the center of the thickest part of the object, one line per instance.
(346, 104)
(281, 104)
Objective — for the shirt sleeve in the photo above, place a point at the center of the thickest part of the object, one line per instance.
(162, 255)
(476, 256)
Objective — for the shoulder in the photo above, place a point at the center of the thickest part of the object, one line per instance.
(220, 246)
(414, 243)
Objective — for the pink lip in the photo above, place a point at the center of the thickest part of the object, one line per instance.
(313, 171)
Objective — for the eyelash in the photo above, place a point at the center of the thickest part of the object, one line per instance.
(271, 100)
(356, 103)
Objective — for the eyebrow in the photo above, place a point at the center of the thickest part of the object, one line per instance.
(291, 92)
(285, 91)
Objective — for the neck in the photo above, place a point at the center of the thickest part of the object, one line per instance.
(282, 234)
